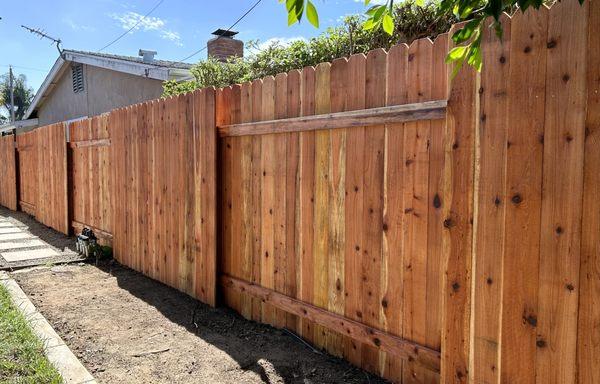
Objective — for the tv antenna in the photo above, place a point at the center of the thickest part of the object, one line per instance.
(44, 35)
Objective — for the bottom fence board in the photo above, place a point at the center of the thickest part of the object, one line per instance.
(397, 346)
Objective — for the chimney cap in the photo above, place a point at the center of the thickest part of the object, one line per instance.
(148, 56)
(224, 33)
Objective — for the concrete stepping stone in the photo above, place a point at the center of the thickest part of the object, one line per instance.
(21, 244)
(10, 230)
(28, 255)
(15, 236)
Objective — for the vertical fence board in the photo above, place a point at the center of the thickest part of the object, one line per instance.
(354, 201)
(459, 163)
(307, 201)
(522, 199)
(205, 234)
(562, 193)
(436, 198)
(375, 96)
(267, 197)
(490, 203)
(393, 210)
(280, 203)
(417, 139)
(257, 255)
(291, 256)
(337, 191)
(588, 351)
(245, 197)
(321, 215)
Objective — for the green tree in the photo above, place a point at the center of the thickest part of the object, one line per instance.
(23, 95)
(467, 39)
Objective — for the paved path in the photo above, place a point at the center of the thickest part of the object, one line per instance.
(21, 248)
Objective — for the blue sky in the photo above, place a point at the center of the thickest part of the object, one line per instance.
(175, 29)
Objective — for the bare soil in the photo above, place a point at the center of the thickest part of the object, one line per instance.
(127, 328)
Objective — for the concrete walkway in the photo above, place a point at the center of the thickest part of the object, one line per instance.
(21, 248)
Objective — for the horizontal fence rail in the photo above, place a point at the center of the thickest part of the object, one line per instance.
(358, 331)
(429, 110)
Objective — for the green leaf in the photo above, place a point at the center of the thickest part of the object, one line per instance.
(376, 9)
(388, 24)
(420, 3)
(381, 10)
(369, 24)
(367, 2)
(299, 8)
(312, 15)
(292, 18)
(457, 53)
(495, 8)
(466, 32)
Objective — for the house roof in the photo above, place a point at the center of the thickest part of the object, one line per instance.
(157, 63)
(8, 127)
(156, 69)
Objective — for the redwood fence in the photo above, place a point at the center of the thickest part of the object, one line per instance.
(426, 228)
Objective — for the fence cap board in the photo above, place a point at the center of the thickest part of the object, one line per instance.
(428, 110)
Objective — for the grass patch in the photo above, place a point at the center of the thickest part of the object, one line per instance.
(22, 359)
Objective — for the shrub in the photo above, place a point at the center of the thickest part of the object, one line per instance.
(411, 22)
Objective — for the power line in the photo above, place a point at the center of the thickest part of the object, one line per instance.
(25, 68)
(132, 28)
(228, 30)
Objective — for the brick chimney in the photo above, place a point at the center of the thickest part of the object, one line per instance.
(224, 46)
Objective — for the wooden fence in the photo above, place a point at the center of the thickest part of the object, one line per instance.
(424, 227)
(52, 205)
(90, 177)
(339, 218)
(27, 162)
(43, 187)
(8, 174)
(164, 187)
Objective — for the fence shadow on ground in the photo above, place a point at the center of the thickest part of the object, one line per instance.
(249, 343)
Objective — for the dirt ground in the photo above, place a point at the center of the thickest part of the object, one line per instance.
(127, 328)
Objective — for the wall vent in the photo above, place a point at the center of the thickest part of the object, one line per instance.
(77, 73)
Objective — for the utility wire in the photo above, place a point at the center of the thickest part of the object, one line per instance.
(228, 30)
(132, 28)
(25, 68)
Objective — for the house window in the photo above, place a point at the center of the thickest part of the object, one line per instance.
(77, 73)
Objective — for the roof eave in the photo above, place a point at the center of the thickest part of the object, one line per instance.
(47, 85)
(137, 69)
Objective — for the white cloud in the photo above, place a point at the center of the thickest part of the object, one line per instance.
(136, 21)
(373, 2)
(283, 41)
(77, 27)
(173, 36)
